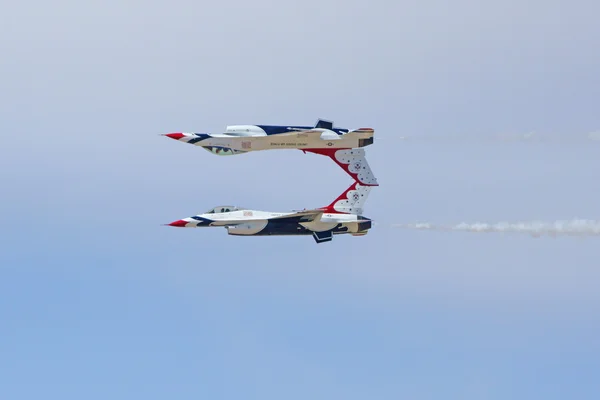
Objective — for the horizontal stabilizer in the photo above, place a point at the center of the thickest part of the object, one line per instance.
(363, 130)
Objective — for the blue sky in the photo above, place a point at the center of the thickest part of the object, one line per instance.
(100, 301)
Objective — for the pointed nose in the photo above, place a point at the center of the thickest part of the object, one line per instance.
(179, 223)
(175, 136)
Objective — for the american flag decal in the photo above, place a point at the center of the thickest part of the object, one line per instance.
(246, 145)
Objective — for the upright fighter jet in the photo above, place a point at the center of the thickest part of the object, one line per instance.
(343, 215)
(343, 146)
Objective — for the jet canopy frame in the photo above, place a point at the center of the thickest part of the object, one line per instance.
(223, 209)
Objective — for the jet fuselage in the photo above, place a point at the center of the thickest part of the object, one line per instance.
(253, 222)
(239, 139)
(342, 145)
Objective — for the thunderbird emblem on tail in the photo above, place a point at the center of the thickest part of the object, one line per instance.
(343, 146)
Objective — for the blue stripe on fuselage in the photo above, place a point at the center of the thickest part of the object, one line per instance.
(199, 137)
(202, 221)
(291, 226)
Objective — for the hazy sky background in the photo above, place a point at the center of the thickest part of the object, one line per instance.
(97, 300)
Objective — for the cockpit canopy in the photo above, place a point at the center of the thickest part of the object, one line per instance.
(222, 209)
(222, 151)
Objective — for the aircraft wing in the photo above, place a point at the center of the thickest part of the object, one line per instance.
(314, 133)
(309, 215)
(310, 133)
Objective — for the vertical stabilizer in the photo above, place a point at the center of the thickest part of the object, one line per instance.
(353, 161)
(352, 201)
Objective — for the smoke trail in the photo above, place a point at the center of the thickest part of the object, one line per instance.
(531, 137)
(575, 227)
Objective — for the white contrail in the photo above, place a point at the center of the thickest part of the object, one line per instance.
(575, 227)
(502, 137)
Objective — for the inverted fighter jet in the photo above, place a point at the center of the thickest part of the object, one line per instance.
(342, 145)
(344, 215)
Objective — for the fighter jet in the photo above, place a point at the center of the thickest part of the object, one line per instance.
(343, 215)
(342, 145)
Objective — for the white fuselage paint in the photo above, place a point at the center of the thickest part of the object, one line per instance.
(256, 139)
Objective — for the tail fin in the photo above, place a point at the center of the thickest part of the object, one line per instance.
(351, 201)
(353, 161)
(324, 124)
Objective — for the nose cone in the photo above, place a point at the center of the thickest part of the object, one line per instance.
(175, 136)
(179, 223)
